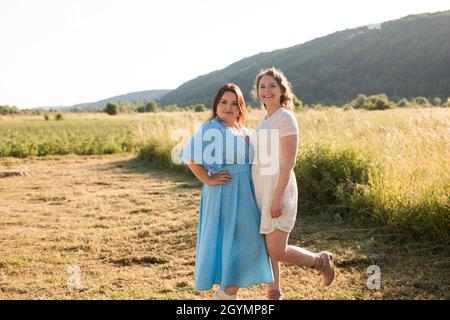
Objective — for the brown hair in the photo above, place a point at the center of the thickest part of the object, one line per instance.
(287, 96)
(231, 87)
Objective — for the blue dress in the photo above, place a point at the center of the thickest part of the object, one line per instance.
(230, 249)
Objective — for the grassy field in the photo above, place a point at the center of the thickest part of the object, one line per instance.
(374, 188)
(389, 167)
(132, 229)
(86, 134)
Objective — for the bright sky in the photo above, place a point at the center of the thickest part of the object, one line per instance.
(64, 52)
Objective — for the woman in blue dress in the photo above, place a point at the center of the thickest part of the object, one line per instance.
(230, 250)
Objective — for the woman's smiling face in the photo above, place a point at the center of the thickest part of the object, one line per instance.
(228, 109)
(269, 92)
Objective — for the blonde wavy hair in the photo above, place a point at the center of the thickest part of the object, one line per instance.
(287, 96)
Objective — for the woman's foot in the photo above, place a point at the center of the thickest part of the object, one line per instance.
(221, 295)
(324, 264)
(274, 295)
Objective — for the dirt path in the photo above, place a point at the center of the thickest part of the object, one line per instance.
(131, 229)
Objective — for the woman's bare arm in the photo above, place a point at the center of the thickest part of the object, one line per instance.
(288, 155)
(200, 172)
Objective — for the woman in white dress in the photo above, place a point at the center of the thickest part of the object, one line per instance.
(275, 144)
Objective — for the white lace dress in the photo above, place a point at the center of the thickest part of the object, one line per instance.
(265, 142)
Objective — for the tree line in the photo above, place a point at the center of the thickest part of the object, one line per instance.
(361, 101)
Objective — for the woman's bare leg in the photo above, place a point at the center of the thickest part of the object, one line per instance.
(273, 290)
(279, 250)
(276, 276)
(231, 290)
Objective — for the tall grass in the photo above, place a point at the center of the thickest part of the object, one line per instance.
(390, 167)
(406, 159)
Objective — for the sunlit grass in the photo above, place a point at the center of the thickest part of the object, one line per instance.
(405, 154)
(132, 228)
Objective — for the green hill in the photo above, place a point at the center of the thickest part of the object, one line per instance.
(139, 97)
(407, 57)
(133, 97)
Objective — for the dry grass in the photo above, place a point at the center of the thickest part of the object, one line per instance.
(409, 182)
(411, 145)
(132, 230)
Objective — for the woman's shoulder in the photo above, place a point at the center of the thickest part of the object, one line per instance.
(286, 116)
(212, 124)
(287, 122)
(285, 113)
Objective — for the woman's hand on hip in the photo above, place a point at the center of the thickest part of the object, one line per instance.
(218, 179)
(275, 208)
